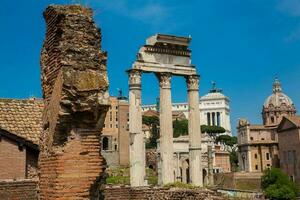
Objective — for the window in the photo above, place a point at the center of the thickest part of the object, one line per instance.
(213, 119)
(272, 120)
(290, 157)
(105, 143)
(284, 157)
(262, 138)
(255, 156)
(256, 167)
(268, 156)
(116, 147)
(251, 138)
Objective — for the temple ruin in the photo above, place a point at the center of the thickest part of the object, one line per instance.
(75, 89)
(166, 56)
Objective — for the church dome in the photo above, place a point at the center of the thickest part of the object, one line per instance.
(278, 98)
(277, 105)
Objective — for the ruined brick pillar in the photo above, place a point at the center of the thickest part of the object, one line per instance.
(75, 89)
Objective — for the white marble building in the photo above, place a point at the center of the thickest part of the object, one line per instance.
(214, 109)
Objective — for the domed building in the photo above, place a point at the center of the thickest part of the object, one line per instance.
(258, 144)
(276, 106)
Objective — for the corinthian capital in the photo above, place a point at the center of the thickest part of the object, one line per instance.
(192, 82)
(164, 80)
(135, 77)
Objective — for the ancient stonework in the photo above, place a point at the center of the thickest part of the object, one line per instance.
(75, 85)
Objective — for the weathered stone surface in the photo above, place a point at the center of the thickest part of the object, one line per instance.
(159, 193)
(75, 85)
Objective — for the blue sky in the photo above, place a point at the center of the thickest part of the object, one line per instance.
(242, 45)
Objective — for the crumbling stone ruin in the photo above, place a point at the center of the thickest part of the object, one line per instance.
(75, 89)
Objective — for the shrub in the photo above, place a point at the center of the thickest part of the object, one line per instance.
(277, 185)
(180, 185)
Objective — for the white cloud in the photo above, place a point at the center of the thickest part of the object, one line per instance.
(150, 12)
(290, 7)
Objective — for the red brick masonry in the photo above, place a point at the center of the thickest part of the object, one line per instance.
(157, 193)
(18, 190)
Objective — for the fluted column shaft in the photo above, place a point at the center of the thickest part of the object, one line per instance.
(166, 129)
(137, 145)
(195, 162)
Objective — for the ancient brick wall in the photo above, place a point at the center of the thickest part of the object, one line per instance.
(31, 163)
(123, 133)
(12, 160)
(151, 159)
(147, 193)
(18, 190)
(238, 181)
(75, 85)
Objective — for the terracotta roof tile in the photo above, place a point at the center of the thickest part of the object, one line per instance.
(22, 117)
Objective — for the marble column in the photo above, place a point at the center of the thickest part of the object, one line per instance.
(210, 172)
(178, 175)
(166, 129)
(195, 155)
(137, 145)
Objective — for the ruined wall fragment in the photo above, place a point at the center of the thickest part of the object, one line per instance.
(75, 89)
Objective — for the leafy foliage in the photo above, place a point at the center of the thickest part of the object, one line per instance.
(120, 176)
(180, 185)
(153, 123)
(234, 160)
(277, 185)
(230, 144)
(227, 140)
(180, 127)
(212, 129)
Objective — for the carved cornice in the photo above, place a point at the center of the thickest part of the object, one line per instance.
(135, 78)
(164, 80)
(192, 82)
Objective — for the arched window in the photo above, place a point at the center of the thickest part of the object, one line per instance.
(105, 143)
(272, 120)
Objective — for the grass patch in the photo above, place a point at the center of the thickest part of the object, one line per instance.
(120, 176)
(180, 185)
(117, 180)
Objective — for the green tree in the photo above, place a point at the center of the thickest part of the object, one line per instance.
(277, 185)
(153, 123)
(180, 127)
(230, 144)
(227, 141)
(212, 131)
